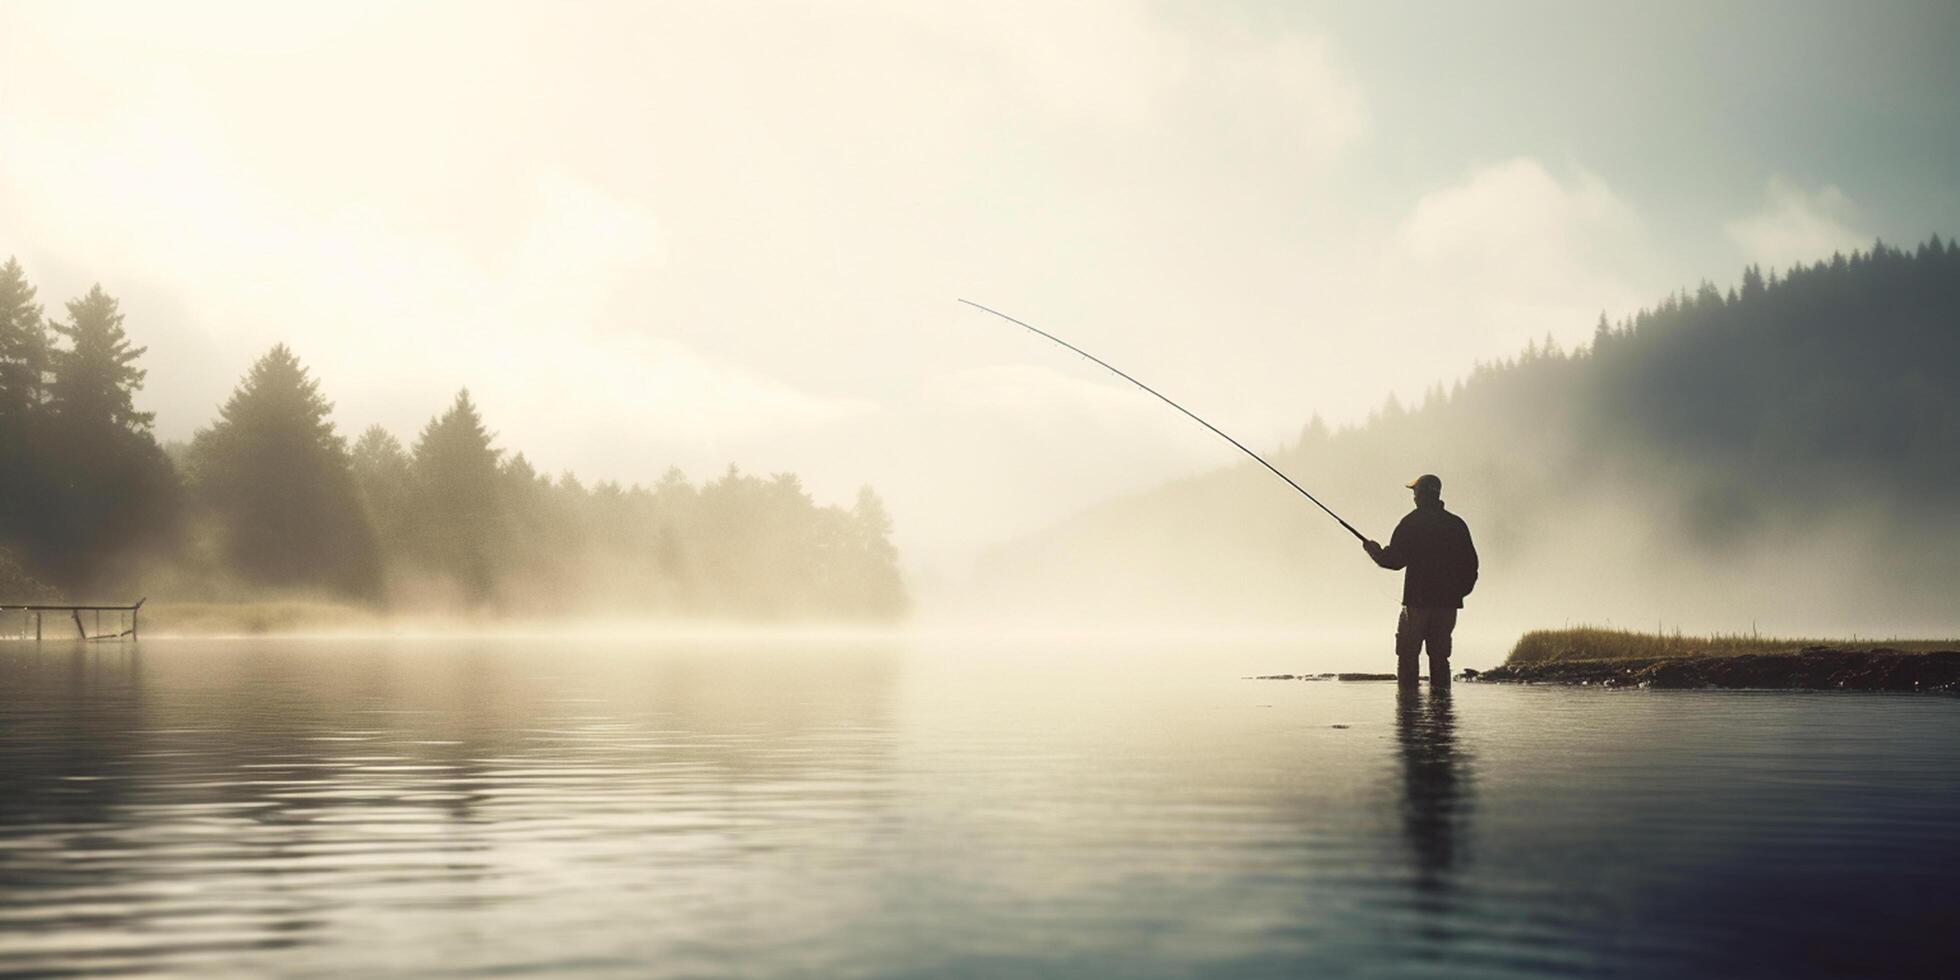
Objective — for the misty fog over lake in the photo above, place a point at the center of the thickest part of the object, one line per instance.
(885, 489)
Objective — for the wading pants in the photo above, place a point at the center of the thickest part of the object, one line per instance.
(1424, 626)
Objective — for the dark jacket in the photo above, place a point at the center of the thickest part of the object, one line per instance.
(1434, 545)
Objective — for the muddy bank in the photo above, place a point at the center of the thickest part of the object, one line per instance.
(1810, 668)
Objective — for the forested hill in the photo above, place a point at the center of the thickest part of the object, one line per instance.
(1784, 451)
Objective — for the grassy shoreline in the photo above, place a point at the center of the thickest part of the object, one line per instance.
(1592, 644)
(1623, 658)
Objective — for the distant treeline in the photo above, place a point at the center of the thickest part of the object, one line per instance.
(1790, 394)
(269, 499)
(1792, 440)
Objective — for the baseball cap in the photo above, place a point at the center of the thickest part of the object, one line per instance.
(1428, 481)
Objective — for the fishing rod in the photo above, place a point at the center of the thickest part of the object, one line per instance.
(1188, 413)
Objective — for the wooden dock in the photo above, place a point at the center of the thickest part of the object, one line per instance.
(126, 618)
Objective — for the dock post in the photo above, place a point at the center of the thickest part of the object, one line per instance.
(37, 626)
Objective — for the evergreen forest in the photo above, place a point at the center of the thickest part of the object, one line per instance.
(1787, 449)
(271, 500)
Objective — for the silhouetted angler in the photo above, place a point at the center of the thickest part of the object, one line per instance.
(1434, 545)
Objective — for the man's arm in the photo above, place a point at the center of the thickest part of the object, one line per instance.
(1396, 555)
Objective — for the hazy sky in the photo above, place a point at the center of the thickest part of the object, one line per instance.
(700, 233)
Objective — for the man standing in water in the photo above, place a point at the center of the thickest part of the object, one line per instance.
(1434, 545)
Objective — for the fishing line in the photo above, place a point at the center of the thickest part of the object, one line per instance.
(1193, 416)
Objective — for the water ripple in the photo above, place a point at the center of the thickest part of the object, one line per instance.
(368, 809)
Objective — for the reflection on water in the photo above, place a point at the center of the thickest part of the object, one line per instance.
(1435, 781)
(220, 803)
(371, 807)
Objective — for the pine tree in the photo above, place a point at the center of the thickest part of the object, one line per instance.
(24, 476)
(112, 490)
(96, 377)
(381, 471)
(460, 520)
(1312, 435)
(278, 479)
(23, 350)
(874, 562)
(1752, 283)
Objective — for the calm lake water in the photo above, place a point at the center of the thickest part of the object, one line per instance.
(343, 807)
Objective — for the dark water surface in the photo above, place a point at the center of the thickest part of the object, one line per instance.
(362, 807)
